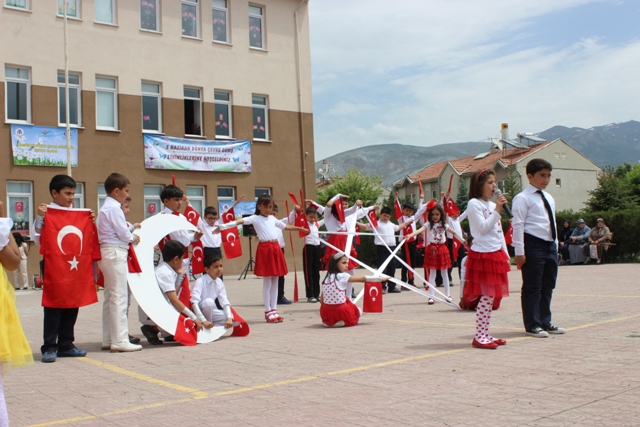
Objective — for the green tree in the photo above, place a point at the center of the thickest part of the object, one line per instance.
(463, 195)
(612, 193)
(355, 185)
(632, 181)
(512, 185)
(620, 172)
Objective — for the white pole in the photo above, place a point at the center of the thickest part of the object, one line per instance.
(66, 90)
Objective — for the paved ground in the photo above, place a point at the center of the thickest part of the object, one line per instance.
(411, 365)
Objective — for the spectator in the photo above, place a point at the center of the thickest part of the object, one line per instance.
(579, 237)
(599, 238)
(21, 279)
(564, 237)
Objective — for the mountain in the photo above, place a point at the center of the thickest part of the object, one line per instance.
(612, 144)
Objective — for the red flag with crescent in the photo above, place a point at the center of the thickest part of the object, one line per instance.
(339, 209)
(450, 207)
(456, 247)
(508, 237)
(231, 237)
(186, 332)
(372, 297)
(132, 261)
(372, 217)
(184, 294)
(397, 209)
(300, 219)
(197, 251)
(69, 245)
(242, 329)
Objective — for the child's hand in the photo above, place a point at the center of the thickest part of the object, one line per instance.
(136, 239)
(198, 234)
(137, 225)
(42, 209)
(92, 216)
(198, 324)
(185, 199)
(241, 198)
(207, 324)
(396, 195)
(442, 194)
(359, 203)
(228, 324)
(308, 201)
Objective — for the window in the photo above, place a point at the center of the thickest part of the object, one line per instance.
(151, 107)
(17, 94)
(260, 118)
(226, 197)
(152, 202)
(558, 182)
(222, 102)
(18, 4)
(78, 199)
(501, 185)
(256, 27)
(102, 195)
(73, 8)
(196, 198)
(260, 191)
(20, 205)
(105, 11)
(106, 103)
(150, 15)
(74, 100)
(192, 112)
(220, 19)
(434, 194)
(190, 18)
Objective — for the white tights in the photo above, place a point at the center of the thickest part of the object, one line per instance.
(483, 318)
(445, 280)
(270, 293)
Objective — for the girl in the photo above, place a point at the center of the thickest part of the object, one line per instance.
(20, 275)
(270, 262)
(337, 310)
(488, 259)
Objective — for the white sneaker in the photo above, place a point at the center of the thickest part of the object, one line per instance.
(538, 333)
(125, 347)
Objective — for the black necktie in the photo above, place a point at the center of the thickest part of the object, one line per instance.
(547, 206)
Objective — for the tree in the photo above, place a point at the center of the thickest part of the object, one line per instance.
(463, 195)
(512, 184)
(612, 193)
(355, 185)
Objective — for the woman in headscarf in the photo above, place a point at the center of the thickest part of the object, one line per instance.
(599, 236)
(564, 237)
(579, 237)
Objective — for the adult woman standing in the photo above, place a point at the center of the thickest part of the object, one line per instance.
(21, 279)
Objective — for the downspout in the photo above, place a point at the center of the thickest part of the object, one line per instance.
(303, 152)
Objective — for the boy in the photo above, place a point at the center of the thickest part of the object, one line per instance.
(212, 242)
(168, 272)
(408, 249)
(126, 209)
(209, 297)
(59, 322)
(536, 248)
(385, 236)
(114, 236)
(281, 298)
(172, 198)
(311, 254)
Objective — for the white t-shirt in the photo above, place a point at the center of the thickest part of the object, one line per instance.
(208, 287)
(265, 226)
(484, 223)
(5, 231)
(166, 277)
(386, 233)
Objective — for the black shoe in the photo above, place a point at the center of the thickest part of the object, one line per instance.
(170, 338)
(72, 352)
(394, 291)
(284, 301)
(134, 340)
(151, 334)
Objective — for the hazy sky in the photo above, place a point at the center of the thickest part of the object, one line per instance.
(429, 72)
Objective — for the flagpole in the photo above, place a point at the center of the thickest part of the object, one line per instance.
(66, 90)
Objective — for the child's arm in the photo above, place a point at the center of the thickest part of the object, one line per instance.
(10, 254)
(404, 224)
(173, 298)
(221, 227)
(315, 205)
(290, 227)
(337, 197)
(357, 279)
(417, 232)
(238, 200)
(452, 231)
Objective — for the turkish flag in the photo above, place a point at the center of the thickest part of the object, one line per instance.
(186, 332)
(372, 217)
(339, 209)
(242, 329)
(456, 246)
(185, 291)
(450, 207)
(69, 245)
(508, 238)
(231, 237)
(372, 297)
(197, 258)
(132, 261)
(398, 209)
(408, 230)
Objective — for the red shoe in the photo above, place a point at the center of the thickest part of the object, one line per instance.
(269, 317)
(499, 341)
(488, 346)
(431, 301)
(278, 318)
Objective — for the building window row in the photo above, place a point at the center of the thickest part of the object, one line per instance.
(18, 105)
(105, 12)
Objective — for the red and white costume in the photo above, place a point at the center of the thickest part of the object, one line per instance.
(340, 240)
(335, 304)
(436, 253)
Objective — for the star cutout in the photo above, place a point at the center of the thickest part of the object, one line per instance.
(187, 330)
(74, 264)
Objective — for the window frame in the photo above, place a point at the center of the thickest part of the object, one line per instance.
(196, 4)
(113, 91)
(158, 9)
(200, 198)
(72, 86)
(221, 199)
(229, 105)
(26, 8)
(260, 17)
(17, 80)
(20, 195)
(157, 95)
(78, 6)
(188, 98)
(79, 196)
(113, 13)
(261, 191)
(102, 195)
(265, 108)
(224, 10)
(152, 197)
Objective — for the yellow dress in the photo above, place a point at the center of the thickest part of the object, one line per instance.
(14, 347)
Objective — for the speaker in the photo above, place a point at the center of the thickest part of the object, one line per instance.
(247, 229)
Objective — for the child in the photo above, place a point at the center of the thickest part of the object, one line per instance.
(487, 260)
(281, 298)
(126, 209)
(385, 243)
(20, 276)
(270, 261)
(211, 242)
(14, 347)
(209, 297)
(336, 309)
(59, 322)
(311, 254)
(168, 272)
(536, 248)
(408, 245)
(114, 236)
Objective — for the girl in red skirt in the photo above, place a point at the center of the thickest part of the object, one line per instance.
(488, 259)
(337, 309)
(270, 262)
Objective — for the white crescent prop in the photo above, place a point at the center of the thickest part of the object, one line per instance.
(144, 285)
(69, 229)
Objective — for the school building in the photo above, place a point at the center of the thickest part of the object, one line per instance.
(199, 70)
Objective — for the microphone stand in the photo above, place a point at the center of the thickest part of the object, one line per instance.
(250, 263)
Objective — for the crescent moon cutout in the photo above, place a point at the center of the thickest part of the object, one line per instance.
(144, 285)
(228, 217)
(229, 235)
(69, 229)
(191, 213)
(373, 288)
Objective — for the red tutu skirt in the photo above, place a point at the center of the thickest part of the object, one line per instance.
(270, 260)
(339, 241)
(348, 312)
(437, 257)
(487, 274)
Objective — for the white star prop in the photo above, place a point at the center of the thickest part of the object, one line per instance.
(74, 264)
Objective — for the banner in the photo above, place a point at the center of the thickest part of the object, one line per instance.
(241, 209)
(42, 146)
(164, 152)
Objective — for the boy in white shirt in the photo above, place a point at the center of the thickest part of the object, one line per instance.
(209, 297)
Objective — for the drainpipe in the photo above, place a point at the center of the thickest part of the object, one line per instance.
(303, 152)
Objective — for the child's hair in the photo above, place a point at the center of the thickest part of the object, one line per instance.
(18, 238)
(173, 249)
(477, 182)
(443, 216)
(332, 268)
(263, 200)
(334, 209)
(310, 210)
(59, 182)
(169, 192)
(408, 205)
(385, 210)
(128, 199)
(210, 259)
(275, 208)
(210, 210)
(536, 165)
(115, 180)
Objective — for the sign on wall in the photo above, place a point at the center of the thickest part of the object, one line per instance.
(42, 146)
(164, 152)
